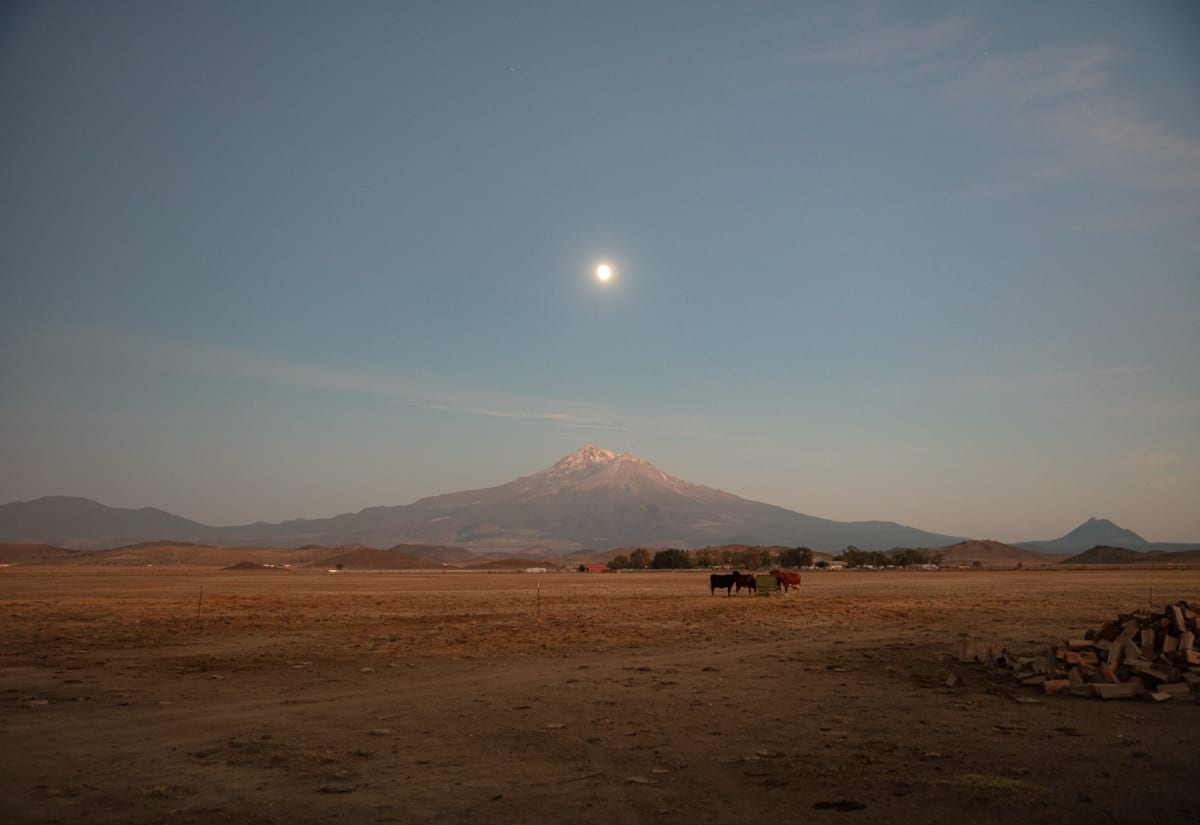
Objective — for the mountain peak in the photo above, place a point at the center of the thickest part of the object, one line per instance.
(598, 455)
(1111, 530)
(591, 498)
(585, 458)
(1093, 532)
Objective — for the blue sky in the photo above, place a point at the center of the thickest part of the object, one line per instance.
(931, 263)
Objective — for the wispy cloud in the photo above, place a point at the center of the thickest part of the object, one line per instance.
(1059, 112)
(1061, 107)
(1100, 140)
(409, 389)
(886, 43)
(1018, 80)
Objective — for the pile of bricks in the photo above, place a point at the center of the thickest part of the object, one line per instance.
(1151, 654)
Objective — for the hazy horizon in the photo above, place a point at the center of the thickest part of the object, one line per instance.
(937, 265)
(799, 538)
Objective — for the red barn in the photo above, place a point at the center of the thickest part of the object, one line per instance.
(592, 568)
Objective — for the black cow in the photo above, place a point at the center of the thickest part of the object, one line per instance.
(717, 581)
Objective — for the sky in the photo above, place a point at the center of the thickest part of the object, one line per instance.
(933, 263)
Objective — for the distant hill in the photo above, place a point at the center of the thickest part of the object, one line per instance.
(541, 555)
(514, 564)
(166, 553)
(1123, 555)
(34, 554)
(1100, 532)
(80, 523)
(769, 549)
(436, 553)
(254, 566)
(578, 556)
(992, 554)
(183, 553)
(1102, 554)
(1093, 532)
(368, 558)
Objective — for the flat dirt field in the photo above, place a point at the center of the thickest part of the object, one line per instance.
(305, 696)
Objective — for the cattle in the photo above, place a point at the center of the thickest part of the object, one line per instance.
(719, 581)
(748, 581)
(786, 581)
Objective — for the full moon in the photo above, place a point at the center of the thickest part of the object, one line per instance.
(604, 272)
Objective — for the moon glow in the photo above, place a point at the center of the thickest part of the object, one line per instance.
(604, 272)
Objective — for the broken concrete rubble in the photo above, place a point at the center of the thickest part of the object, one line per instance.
(1149, 653)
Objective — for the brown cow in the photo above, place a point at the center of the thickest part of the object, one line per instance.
(748, 581)
(786, 581)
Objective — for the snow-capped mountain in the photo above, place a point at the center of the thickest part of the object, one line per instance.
(593, 498)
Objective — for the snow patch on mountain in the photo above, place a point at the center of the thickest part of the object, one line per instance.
(582, 460)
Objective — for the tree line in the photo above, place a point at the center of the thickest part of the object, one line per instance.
(901, 557)
(753, 558)
(749, 558)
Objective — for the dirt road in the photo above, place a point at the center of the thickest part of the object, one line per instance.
(126, 696)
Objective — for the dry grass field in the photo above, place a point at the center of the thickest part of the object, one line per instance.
(130, 696)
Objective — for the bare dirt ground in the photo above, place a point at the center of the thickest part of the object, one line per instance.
(401, 697)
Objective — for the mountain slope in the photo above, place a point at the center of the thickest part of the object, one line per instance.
(592, 498)
(1093, 532)
(70, 522)
(369, 558)
(34, 554)
(1122, 555)
(993, 554)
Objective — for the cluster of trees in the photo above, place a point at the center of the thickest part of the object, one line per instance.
(754, 558)
(893, 558)
(640, 559)
(746, 558)
(637, 560)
